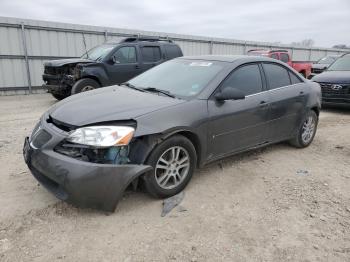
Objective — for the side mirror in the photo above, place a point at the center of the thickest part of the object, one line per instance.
(230, 93)
(114, 60)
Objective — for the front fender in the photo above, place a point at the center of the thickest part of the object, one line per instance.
(96, 71)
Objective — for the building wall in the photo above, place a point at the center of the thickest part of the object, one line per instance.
(40, 41)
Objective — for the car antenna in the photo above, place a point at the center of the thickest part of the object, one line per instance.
(86, 52)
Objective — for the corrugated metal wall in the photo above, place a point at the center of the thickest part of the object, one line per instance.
(26, 44)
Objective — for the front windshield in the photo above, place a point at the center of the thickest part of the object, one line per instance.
(327, 60)
(98, 52)
(180, 77)
(341, 64)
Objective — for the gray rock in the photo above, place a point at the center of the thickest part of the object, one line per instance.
(171, 202)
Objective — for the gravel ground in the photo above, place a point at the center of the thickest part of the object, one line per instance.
(274, 204)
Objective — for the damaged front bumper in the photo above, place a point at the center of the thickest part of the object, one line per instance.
(80, 183)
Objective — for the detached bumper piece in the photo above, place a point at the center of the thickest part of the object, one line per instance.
(80, 183)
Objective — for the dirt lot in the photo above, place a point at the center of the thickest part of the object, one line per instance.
(250, 207)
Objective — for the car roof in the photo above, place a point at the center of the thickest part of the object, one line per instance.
(229, 58)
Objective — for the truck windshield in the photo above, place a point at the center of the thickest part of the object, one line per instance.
(179, 77)
(98, 52)
(341, 64)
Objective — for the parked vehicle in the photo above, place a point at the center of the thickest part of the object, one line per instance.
(322, 64)
(162, 124)
(107, 64)
(304, 68)
(335, 83)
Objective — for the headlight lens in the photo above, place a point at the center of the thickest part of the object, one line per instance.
(102, 136)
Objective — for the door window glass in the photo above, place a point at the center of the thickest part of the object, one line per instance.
(151, 53)
(284, 57)
(277, 76)
(246, 78)
(125, 55)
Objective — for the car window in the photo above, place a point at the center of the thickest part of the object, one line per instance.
(246, 78)
(172, 51)
(274, 56)
(125, 55)
(276, 75)
(294, 78)
(284, 57)
(151, 53)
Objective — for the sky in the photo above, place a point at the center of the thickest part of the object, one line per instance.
(327, 22)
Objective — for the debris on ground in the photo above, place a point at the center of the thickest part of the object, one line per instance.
(301, 172)
(171, 202)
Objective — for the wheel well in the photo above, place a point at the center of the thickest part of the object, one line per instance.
(316, 110)
(195, 142)
(93, 78)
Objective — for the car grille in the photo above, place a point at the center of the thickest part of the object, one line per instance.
(328, 88)
(316, 70)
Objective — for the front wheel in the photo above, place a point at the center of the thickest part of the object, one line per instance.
(306, 131)
(83, 85)
(173, 163)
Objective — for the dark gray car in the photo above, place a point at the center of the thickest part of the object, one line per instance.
(156, 129)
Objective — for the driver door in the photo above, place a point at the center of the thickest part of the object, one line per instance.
(236, 125)
(124, 65)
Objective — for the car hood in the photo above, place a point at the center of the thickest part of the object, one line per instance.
(336, 77)
(62, 62)
(112, 103)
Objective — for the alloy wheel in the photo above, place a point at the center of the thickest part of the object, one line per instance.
(172, 167)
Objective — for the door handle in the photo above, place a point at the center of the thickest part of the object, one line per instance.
(263, 103)
(137, 67)
(301, 93)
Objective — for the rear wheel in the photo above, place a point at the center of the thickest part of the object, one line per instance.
(306, 131)
(83, 85)
(173, 163)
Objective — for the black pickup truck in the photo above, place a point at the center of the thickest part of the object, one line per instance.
(107, 64)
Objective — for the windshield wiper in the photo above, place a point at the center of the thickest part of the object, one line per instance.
(164, 92)
(132, 86)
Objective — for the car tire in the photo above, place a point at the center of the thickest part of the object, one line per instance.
(171, 171)
(306, 130)
(59, 96)
(85, 84)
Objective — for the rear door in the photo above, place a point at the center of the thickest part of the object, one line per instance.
(239, 124)
(286, 100)
(125, 65)
(151, 56)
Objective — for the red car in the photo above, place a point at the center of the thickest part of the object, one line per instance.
(303, 68)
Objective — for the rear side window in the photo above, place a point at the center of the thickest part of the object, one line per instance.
(293, 78)
(172, 51)
(284, 57)
(277, 76)
(246, 78)
(125, 55)
(151, 53)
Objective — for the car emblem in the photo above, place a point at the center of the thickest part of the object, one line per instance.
(336, 87)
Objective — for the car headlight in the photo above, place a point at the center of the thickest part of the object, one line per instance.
(102, 136)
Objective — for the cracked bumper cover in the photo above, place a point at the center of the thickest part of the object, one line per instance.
(80, 183)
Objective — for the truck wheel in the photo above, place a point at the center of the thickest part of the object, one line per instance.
(173, 163)
(59, 96)
(306, 131)
(85, 84)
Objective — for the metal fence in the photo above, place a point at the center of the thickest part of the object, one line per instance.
(26, 44)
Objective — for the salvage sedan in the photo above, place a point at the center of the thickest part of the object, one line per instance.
(156, 129)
